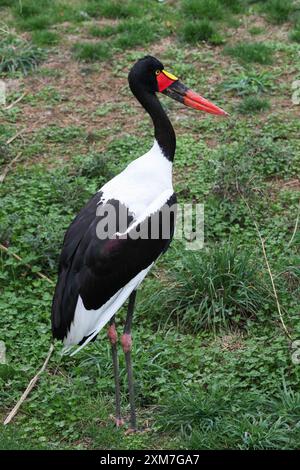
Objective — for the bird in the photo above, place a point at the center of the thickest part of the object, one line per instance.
(104, 257)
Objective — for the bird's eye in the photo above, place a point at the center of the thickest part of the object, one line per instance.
(157, 72)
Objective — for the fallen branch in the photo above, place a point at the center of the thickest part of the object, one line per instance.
(8, 167)
(296, 227)
(269, 270)
(41, 275)
(29, 388)
(14, 137)
(11, 105)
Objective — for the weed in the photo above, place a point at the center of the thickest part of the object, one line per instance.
(200, 30)
(225, 287)
(248, 83)
(200, 9)
(62, 134)
(91, 52)
(129, 33)
(206, 422)
(38, 22)
(18, 55)
(256, 30)
(259, 53)
(278, 11)
(295, 34)
(253, 104)
(99, 32)
(45, 38)
(114, 9)
(94, 165)
(134, 33)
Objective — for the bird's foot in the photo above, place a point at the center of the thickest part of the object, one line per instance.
(130, 431)
(119, 422)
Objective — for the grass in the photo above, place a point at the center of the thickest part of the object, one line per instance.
(33, 16)
(90, 52)
(244, 52)
(217, 421)
(200, 30)
(248, 82)
(18, 55)
(278, 11)
(200, 9)
(114, 9)
(253, 104)
(256, 30)
(295, 34)
(213, 368)
(45, 38)
(129, 33)
(225, 288)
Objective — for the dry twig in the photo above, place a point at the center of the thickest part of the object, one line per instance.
(8, 167)
(41, 275)
(29, 388)
(269, 270)
(296, 227)
(14, 137)
(11, 105)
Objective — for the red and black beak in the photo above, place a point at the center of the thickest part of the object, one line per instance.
(169, 85)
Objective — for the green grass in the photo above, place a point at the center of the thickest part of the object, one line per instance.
(295, 34)
(223, 419)
(253, 104)
(90, 52)
(129, 33)
(45, 38)
(278, 11)
(249, 82)
(38, 22)
(244, 52)
(200, 30)
(200, 9)
(18, 55)
(32, 16)
(225, 288)
(115, 9)
(135, 33)
(256, 30)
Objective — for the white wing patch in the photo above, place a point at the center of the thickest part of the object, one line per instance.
(143, 187)
(90, 322)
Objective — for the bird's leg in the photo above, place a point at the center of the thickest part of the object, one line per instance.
(126, 344)
(113, 338)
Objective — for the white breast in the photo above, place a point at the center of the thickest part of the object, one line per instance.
(144, 181)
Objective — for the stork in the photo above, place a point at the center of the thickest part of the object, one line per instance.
(102, 264)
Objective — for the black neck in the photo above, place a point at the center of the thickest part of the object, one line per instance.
(163, 129)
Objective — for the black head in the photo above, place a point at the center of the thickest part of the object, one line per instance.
(144, 74)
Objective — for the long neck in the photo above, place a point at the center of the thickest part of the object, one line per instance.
(163, 129)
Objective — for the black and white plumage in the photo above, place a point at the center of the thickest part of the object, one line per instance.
(96, 276)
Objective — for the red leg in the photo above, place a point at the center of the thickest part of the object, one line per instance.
(113, 338)
(126, 342)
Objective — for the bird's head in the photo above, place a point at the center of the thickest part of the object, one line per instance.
(148, 75)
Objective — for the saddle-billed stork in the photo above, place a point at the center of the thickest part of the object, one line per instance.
(100, 269)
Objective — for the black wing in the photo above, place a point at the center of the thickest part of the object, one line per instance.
(96, 269)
